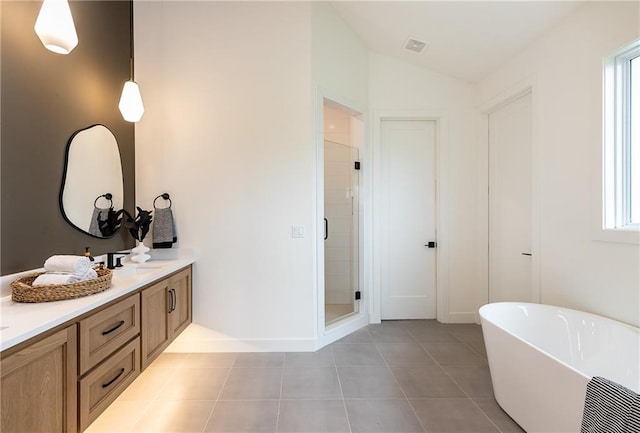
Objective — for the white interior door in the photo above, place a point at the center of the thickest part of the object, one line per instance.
(510, 181)
(408, 219)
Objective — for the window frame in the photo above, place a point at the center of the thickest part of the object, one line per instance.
(616, 222)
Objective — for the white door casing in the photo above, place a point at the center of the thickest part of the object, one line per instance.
(407, 192)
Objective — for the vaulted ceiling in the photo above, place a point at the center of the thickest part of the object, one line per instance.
(465, 39)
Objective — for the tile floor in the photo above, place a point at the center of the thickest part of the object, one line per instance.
(398, 376)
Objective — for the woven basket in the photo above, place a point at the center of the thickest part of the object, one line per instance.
(23, 291)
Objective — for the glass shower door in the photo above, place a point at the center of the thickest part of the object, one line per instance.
(341, 246)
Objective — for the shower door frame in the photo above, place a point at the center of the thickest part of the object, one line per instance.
(326, 334)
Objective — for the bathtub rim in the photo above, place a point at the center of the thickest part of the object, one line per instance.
(494, 305)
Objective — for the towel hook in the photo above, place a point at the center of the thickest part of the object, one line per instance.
(165, 196)
(107, 196)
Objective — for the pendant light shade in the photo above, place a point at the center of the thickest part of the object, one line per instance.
(131, 105)
(55, 28)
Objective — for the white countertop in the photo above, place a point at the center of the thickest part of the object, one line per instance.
(21, 321)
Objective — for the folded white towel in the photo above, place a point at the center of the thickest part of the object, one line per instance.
(47, 279)
(89, 275)
(78, 265)
(63, 278)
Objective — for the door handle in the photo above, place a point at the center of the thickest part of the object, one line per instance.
(326, 229)
(526, 254)
(170, 301)
(431, 244)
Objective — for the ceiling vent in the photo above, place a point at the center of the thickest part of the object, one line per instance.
(414, 45)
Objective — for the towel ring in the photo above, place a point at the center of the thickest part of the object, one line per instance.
(107, 196)
(165, 196)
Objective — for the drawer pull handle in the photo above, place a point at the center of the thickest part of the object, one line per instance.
(104, 385)
(109, 331)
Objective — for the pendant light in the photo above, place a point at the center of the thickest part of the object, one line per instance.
(131, 105)
(55, 28)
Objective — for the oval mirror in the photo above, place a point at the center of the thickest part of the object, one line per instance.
(91, 196)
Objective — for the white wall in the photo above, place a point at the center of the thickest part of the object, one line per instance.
(565, 69)
(228, 133)
(397, 89)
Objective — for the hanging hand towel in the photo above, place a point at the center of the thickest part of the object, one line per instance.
(98, 214)
(164, 230)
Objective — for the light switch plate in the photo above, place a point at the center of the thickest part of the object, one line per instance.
(297, 231)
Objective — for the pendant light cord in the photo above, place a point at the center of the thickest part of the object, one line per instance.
(131, 37)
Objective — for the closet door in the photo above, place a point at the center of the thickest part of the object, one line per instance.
(510, 201)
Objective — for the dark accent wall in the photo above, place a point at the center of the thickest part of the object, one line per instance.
(45, 97)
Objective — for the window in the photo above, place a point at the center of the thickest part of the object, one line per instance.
(621, 164)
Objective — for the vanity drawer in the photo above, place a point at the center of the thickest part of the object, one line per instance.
(105, 331)
(104, 384)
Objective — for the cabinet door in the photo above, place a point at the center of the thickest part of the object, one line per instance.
(180, 317)
(155, 335)
(39, 392)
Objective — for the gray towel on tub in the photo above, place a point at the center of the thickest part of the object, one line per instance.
(164, 228)
(610, 408)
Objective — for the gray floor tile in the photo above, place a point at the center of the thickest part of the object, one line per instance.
(390, 333)
(368, 382)
(499, 417)
(429, 334)
(454, 353)
(452, 415)
(326, 416)
(357, 355)
(320, 358)
(425, 381)
(465, 330)
(209, 360)
(382, 416)
(475, 380)
(310, 382)
(174, 416)
(404, 354)
(360, 336)
(194, 384)
(244, 416)
(252, 384)
(259, 359)
(476, 344)
(358, 384)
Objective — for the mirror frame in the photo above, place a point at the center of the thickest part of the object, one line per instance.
(64, 180)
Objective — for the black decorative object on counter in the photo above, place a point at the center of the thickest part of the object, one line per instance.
(139, 226)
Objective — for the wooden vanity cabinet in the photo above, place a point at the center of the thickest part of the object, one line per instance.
(166, 311)
(39, 386)
(63, 379)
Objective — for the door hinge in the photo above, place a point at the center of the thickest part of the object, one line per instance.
(356, 165)
(357, 295)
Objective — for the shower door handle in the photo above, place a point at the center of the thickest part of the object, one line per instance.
(326, 229)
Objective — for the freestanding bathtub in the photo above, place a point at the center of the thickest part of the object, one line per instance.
(541, 358)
